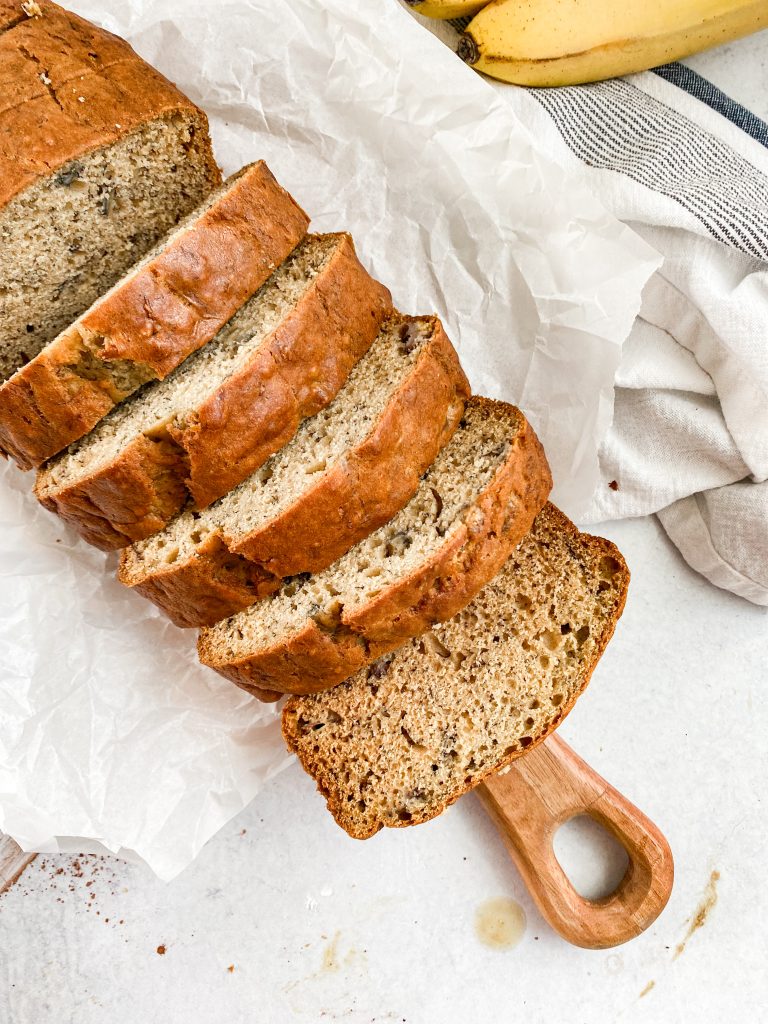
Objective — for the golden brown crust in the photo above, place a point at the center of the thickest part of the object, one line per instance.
(298, 372)
(193, 287)
(206, 588)
(292, 375)
(373, 481)
(333, 795)
(365, 488)
(153, 319)
(316, 658)
(46, 64)
(150, 470)
(501, 516)
(339, 811)
(11, 13)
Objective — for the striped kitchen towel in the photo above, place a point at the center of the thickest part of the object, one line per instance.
(687, 168)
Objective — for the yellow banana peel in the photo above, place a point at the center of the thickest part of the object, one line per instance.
(567, 42)
(447, 8)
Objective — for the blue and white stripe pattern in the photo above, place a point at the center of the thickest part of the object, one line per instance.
(615, 126)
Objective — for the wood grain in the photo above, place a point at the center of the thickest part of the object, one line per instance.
(13, 860)
(528, 804)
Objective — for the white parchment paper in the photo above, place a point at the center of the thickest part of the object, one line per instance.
(110, 731)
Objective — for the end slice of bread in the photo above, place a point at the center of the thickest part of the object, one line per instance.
(347, 471)
(169, 305)
(472, 507)
(406, 737)
(227, 408)
(100, 157)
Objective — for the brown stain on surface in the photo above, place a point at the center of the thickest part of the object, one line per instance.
(333, 961)
(699, 919)
(500, 923)
(330, 960)
(647, 989)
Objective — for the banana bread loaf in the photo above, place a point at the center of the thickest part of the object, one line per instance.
(473, 505)
(228, 407)
(349, 469)
(170, 304)
(100, 156)
(405, 737)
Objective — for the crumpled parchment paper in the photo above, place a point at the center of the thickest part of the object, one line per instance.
(111, 735)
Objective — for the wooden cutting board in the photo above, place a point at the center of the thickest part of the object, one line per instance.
(528, 802)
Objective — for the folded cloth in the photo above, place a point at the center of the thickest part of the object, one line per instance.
(689, 438)
(687, 168)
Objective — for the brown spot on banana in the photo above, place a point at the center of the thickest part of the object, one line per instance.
(491, 58)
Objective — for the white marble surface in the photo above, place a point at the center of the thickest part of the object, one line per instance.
(740, 69)
(283, 918)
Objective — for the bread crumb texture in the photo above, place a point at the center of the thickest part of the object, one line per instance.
(390, 554)
(68, 238)
(175, 398)
(319, 442)
(112, 156)
(347, 471)
(406, 736)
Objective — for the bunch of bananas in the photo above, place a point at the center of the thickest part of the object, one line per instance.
(566, 42)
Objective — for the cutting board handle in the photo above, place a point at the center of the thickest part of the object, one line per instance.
(529, 802)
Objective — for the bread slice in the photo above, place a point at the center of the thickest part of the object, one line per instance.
(404, 738)
(225, 410)
(472, 507)
(168, 306)
(346, 472)
(100, 156)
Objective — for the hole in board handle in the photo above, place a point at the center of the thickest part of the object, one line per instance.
(594, 861)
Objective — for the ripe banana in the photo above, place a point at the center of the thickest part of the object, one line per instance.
(566, 42)
(447, 8)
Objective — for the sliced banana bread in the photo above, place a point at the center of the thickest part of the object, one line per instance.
(404, 738)
(228, 407)
(346, 472)
(171, 304)
(100, 156)
(472, 507)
